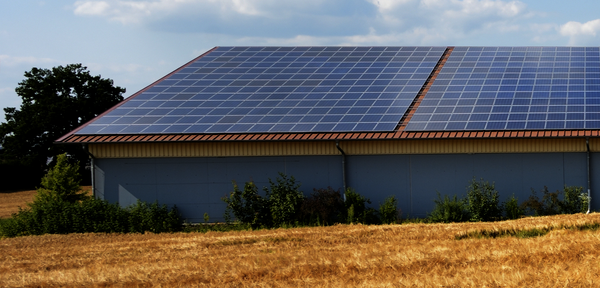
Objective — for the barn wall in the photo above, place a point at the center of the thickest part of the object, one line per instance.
(197, 184)
(416, 179)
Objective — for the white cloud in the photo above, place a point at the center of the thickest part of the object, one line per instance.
(459, 15)
(91, 8)
(148, 11)
(11, 61)
(244, 18)
(573, 28)
(281, 22)
(581, 33)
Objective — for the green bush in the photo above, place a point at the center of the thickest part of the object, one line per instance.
(248, 206)
(356, 210)
(573, 201)
(388, 211)
(61, 182)
(322, 207)
(59, 208)
(585, 202)
(449, 210)
(284, 199)
(483, 201)
(285, 206)
(512, 209)
(280, 207)
(91, 215)
(153, 218)
(533, 205)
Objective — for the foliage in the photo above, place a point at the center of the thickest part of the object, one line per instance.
(356, 209)
(285, 206)
(61, 182)
(573, 201)
(585, 202)
(284, 199)
(512, 209)
(59, 208)
(281, 206)
(388, 211)
(533, 205)
(54, 102)
(322, 207)
(153, 218)
(57, 216)
(483, 201)
(449, 210)
(247, 206)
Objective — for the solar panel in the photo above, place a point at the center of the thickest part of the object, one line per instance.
(513, 88)
(279, 89)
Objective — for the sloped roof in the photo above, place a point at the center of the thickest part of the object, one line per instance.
(326, 93)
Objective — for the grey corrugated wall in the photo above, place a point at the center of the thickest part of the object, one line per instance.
(196, 185)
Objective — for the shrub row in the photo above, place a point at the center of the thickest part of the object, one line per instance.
(90, 215)
(285, 205)
(60, 207)
(482, 204)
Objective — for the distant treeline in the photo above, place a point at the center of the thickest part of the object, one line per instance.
(15, 175)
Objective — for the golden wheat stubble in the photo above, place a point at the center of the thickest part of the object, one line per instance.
(418, 255)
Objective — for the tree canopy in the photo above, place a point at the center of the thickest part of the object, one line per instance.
(54, 102)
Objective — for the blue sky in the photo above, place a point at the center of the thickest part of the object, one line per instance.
(137, 42)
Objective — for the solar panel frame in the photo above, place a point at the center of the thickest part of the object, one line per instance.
(274, 81)
(557, 82)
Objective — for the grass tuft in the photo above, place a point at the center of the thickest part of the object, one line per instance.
(524, 233)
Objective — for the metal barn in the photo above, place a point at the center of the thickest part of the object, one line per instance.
(403, 121)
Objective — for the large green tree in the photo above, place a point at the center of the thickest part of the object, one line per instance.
(54, 102)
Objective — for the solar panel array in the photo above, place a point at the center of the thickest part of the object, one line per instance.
(279, 89)
(513, 88)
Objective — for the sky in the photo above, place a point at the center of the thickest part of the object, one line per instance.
(135, 42)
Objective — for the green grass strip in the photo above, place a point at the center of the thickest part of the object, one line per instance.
(525, 233)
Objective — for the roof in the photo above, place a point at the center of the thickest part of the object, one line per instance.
(337, 93)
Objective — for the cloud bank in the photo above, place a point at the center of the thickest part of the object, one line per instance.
(339, 22)
(581, 33)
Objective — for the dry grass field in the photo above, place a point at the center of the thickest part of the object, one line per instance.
(11, 201)
(411, 255)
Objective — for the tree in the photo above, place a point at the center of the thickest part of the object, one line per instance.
(61, 183)
(54, 102)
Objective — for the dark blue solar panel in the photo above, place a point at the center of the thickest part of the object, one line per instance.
(279, 89)
(513, 88)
